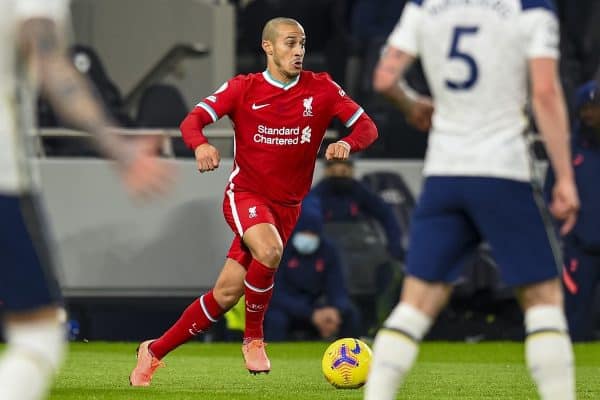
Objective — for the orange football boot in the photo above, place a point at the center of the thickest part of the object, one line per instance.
(256, 357)
(147, 364)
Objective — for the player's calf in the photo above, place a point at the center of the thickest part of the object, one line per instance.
(33, 355)
(395, 350)
(549, 353)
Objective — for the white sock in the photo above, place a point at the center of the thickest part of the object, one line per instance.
(32, 357)
(395, 350)
(549, 353)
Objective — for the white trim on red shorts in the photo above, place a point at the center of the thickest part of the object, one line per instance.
(230, 194)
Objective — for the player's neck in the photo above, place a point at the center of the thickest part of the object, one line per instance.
(277, 75)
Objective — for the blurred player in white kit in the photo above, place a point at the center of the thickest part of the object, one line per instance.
(478, 56)
(32, 57)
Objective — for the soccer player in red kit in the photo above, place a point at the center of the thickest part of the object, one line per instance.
(279, 117)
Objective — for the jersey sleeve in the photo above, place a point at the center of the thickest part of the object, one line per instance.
(224, 100)
(57, 10)
(541, 33)
(344, 108)
(405, 35)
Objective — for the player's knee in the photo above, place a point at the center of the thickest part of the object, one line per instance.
(269, 254)
(427, 297)
(542, 293)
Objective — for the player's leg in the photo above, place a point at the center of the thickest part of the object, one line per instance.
(441, 236)
(397, 344)
(266, 247)
(548, 349)
(526, 249)
(265, 228)
(204, 311)
(198, 317)
(35, 347)
(254, 219)
(34, 320)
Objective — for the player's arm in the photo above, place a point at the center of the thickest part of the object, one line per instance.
(401, 49)
(222, 102)
(363, 133)
(389, 71)
(68, 92)
(207, 156)
(388, 79)
(551, 117)
(72, 98)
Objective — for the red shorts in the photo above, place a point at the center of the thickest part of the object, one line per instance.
(243, 210)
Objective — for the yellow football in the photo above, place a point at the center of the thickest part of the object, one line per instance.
(346, 363)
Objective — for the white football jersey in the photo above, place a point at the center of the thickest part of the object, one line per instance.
(16, 101)
(475, 56)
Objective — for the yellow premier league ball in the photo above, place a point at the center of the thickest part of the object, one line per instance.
(346, 363)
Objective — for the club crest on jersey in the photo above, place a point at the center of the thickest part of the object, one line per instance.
(307, 103)
(252, 213)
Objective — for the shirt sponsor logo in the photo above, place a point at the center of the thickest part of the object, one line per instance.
(307, 103)
(283, 136)
(259, 106)
(306, 135)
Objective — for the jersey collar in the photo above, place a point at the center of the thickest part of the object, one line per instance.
(279, 84)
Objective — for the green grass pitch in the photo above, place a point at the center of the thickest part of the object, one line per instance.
(99, 371)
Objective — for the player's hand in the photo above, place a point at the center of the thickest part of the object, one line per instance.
(145, 174)
(207, 157)
(337, 151)
(419, 113)
(327, 320)
(565, 204)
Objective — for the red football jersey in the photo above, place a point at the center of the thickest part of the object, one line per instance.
(278, 129)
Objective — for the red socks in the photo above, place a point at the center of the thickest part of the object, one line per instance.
(197, 318)
(258, 290)
(203, 312)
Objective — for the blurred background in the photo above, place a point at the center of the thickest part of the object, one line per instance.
(136, 266)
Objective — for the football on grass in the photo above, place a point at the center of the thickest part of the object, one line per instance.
(346, 363)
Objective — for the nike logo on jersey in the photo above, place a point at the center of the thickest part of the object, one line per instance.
(258, 107)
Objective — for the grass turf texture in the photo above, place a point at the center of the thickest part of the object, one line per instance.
(99, 371)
